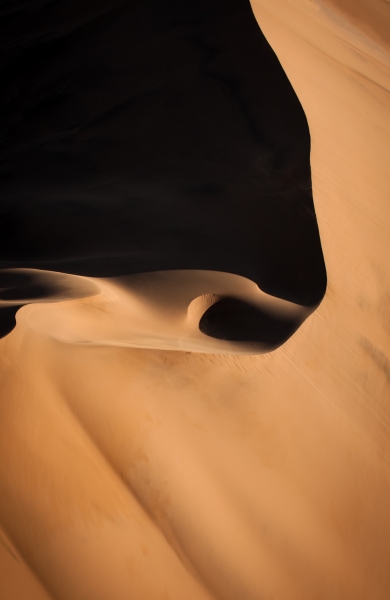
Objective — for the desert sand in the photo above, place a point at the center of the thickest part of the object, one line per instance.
(163, 310)
(141, 458)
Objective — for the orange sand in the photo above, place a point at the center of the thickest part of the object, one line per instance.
(130, 473)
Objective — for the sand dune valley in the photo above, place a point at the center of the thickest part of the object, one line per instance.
(195, 300)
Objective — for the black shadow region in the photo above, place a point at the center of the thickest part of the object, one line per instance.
(146, 135)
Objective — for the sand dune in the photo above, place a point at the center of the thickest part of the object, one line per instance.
(165, 310)
(27, 286)
(147, 472)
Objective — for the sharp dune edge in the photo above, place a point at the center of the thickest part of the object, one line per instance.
(159, 310)
(138, 472)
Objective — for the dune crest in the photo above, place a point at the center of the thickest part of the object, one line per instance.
(163, 310)
(28, 286)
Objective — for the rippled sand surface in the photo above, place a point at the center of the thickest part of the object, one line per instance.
(145, 471)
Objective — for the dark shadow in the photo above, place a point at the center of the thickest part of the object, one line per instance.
(7, 319)
(147, 135)
(22, 286)
(17, 287)
(237, 321)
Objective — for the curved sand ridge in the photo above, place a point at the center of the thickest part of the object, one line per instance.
(161, 310)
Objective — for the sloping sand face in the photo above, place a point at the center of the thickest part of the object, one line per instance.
(165, 310)
(140, 473)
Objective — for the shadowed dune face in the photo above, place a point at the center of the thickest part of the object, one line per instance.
(236, 320)
(147, 136)
(25, 286)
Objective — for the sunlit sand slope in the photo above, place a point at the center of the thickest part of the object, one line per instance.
(141, 473)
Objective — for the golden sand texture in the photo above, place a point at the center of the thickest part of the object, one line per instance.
(371, 18)
(147, 474)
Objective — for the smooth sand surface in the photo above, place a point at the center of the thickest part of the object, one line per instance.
(147, 474)
(161, 310)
